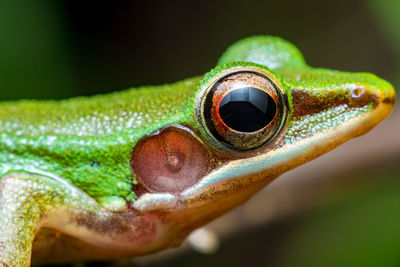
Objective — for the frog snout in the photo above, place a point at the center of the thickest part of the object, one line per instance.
(376, 91)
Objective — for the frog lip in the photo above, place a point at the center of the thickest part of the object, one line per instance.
(274, 162)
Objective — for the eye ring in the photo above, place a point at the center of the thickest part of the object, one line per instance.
(243, 108)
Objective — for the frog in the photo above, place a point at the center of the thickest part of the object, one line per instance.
(136, 171)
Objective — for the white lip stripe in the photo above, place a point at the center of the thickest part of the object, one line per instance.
(150, 201)
(273, 159)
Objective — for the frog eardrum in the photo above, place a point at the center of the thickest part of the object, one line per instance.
(243, 109)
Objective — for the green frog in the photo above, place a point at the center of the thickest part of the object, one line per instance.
(136, 171)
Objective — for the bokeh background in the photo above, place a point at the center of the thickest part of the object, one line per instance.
(340, 210)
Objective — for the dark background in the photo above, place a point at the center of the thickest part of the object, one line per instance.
(59, 49)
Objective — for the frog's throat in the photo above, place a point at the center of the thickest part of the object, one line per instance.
(270, 164)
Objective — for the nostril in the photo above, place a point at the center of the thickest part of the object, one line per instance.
(357, 92)
(389, 100)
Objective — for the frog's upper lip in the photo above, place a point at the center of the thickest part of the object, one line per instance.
(274, 162)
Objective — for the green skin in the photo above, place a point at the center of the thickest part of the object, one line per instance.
(72, 158)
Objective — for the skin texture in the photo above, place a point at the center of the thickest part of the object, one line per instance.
(136, 171)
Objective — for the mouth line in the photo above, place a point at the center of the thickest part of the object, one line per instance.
(278, 161)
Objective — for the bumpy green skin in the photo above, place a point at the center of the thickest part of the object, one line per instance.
(270, 51)
(89, 140)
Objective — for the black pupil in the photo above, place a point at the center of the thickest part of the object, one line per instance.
(247, 109)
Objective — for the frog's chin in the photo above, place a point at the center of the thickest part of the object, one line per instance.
(237, 180)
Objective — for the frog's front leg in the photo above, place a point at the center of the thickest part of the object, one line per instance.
(31, 201)
(26, 200)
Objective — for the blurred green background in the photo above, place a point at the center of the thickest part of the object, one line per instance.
(59, 49)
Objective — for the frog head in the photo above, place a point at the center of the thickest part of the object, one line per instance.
(261, 112)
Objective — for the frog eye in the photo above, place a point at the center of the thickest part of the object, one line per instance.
(243, 110)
